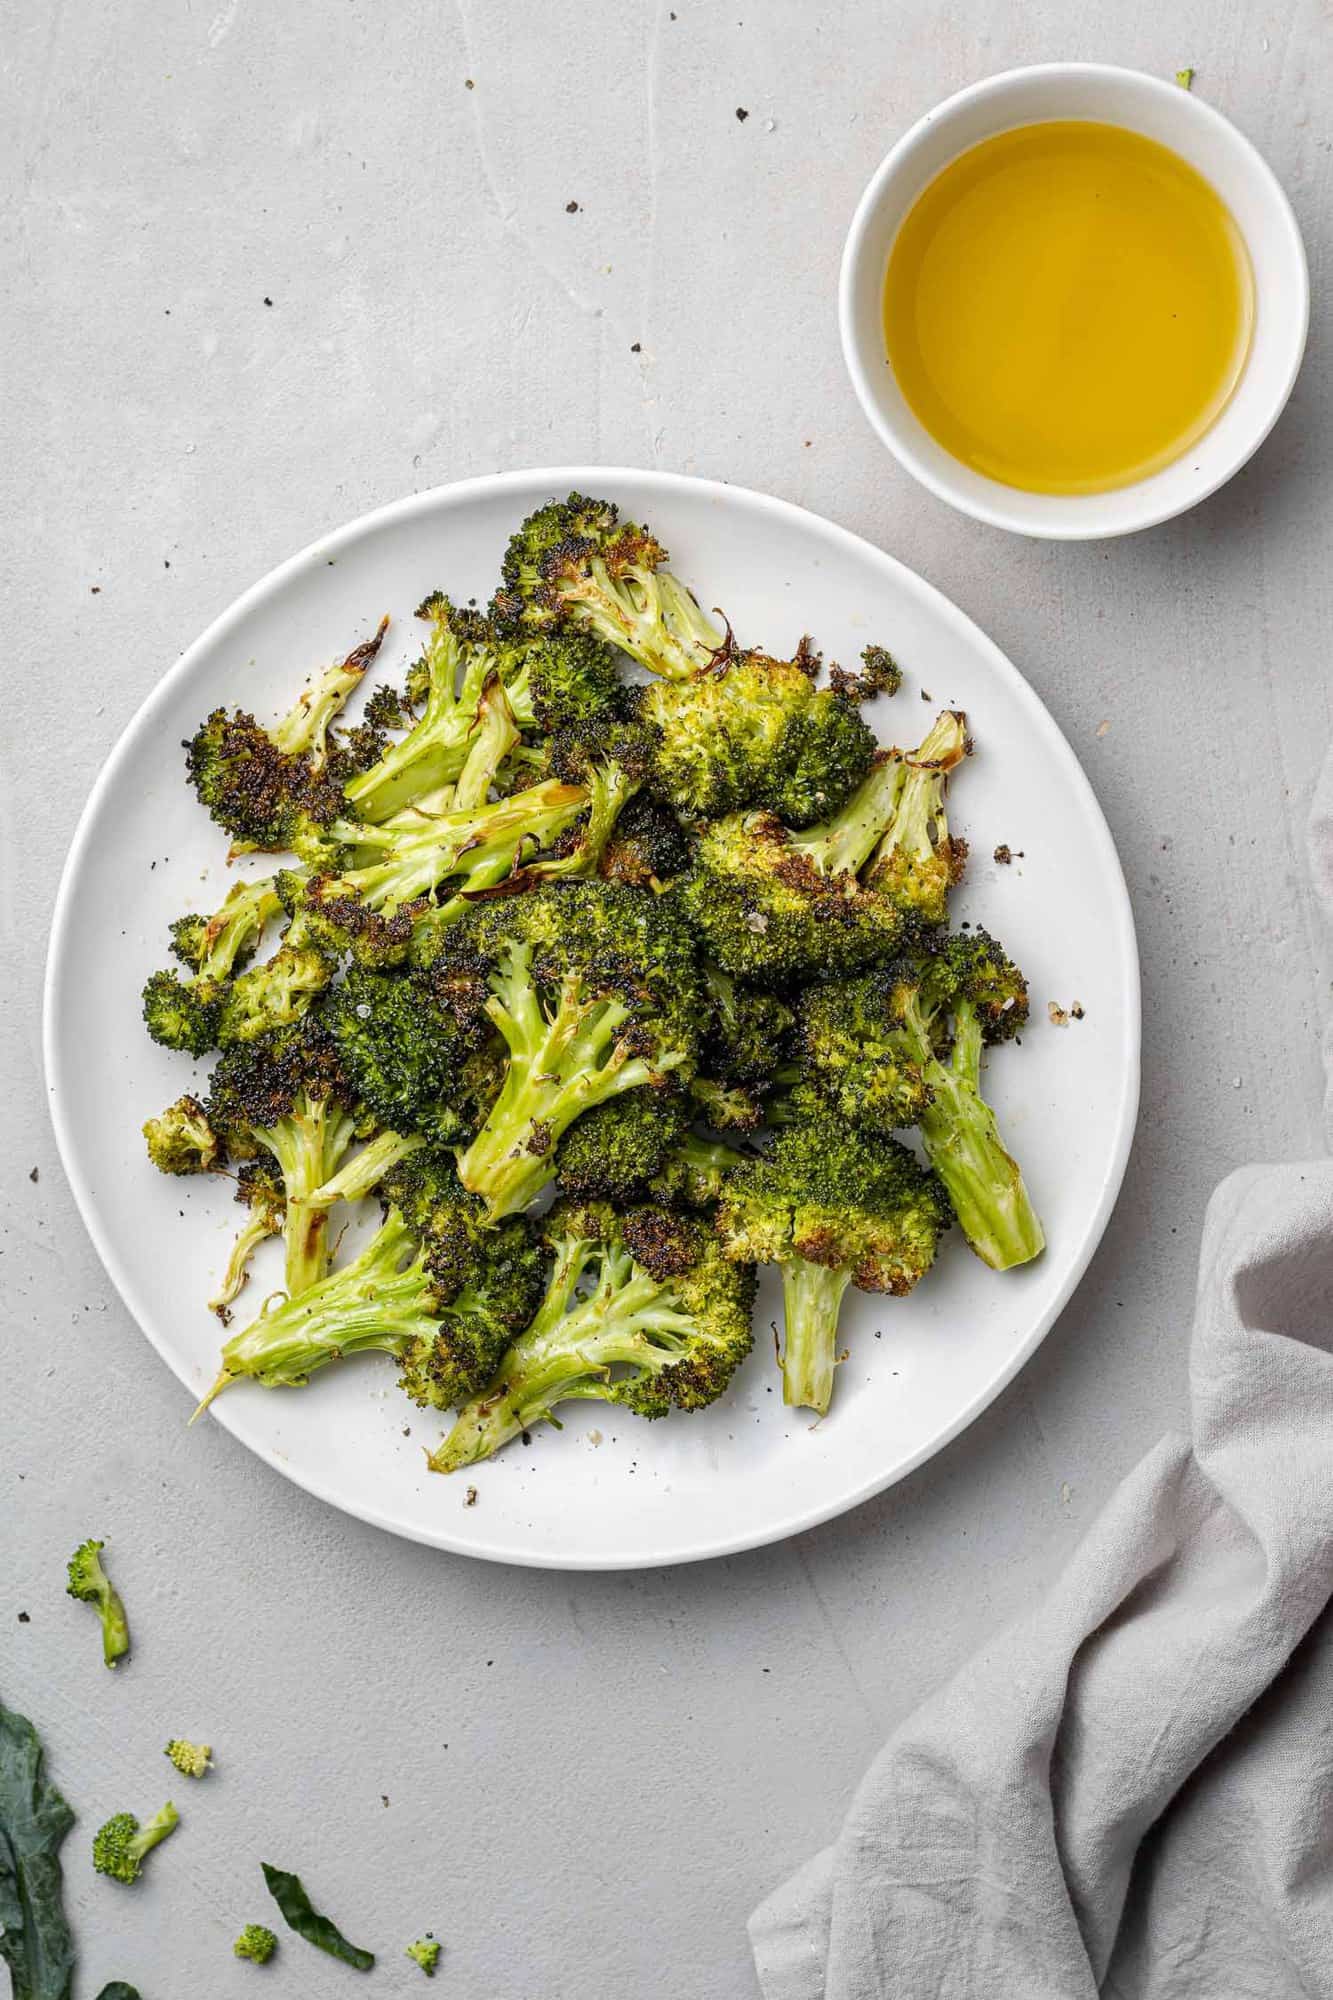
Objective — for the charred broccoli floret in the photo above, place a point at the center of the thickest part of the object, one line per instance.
(263, 796)
(642, 1310)
(182, 1141)
(748, 1035)
(755, 731)
(918, 861)
(639, 1148)
(576, 562)
(831, 1206)
(904, 1046)
(194, 1014)
(274, 994)
(122, 1845)
(647, 848)
(595, 995)
(880, 674)
(90, 1584)
(435, 1288)
(411, 1059)
(288, 1095)
(772, 904)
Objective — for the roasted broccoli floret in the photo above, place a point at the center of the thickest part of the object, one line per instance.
(304, 730)
(595, 995)
(571, 678)
(120, 1847)
(288, 1095)
(755, 731)
(613, 1152)
(192, 1760)
(411, 1059)
(880, 674)
(463, 654)
(647, 848)
(917, 862)
(90, 1584)
(182, 1141)
(642, 1310)
(263, 796)
(831, 1206)
(435, 1288)
(425, 1953)
(748, 1034)
(193, 1014)
(274, 994)
(576, 562)
(904, 1045)
(770, 904)
(257, 1943)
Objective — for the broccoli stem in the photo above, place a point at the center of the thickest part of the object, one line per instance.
(434, 750)
(374, 1303)
(258, 1229)
(308, 1147)
(304, 730)
(407, 864)
(812, 1297)
(493, 736)
(842, 845)
(366, 1169)
(648, 614)
(569, 1350)
(558, 1067)
(962, 1141)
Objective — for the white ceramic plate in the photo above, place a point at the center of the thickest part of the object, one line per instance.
(608, 1492)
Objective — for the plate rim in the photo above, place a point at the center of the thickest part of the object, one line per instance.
(594, 478)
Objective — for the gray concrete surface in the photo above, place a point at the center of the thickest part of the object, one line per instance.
(265, 267)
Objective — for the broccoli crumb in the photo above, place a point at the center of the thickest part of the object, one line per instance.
(1077, 1011)
(1059, 1015)
(192, 1760)
(470, 1497)
(426, 1953)
(1185, 78)
(257, 1943)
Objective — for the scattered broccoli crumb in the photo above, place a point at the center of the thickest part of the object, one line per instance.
(470, 1497)
(121, 1846)
(257, 1943)
(1004, 854)
(192, 1760)
(90, 1584)
(426, 1953)
(1185, 78)
(1059, 1015)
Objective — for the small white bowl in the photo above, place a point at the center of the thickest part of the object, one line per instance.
(1210, 144)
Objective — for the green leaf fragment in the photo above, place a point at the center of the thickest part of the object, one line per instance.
(35, 1939)
(300, 1914)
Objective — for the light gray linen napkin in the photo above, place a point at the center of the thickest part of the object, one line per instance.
(1130, 1792)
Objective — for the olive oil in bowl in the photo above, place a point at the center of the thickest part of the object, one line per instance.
(1068, 307)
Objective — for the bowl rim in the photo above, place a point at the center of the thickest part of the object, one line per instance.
(1069, 517)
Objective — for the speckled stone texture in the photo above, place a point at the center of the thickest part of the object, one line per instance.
(264, 268)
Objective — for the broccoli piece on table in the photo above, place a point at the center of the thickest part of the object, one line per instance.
(576, 562)
(192, 1760)
(642, 1310)
(904, 1046)
(288, 1096)
(425, 1953)
(435, 1288)
(918, 861)
(831, 1206)
(257, 1943)
(121, 1846)
(594, 991)
(181, 1140)
(89, 1583)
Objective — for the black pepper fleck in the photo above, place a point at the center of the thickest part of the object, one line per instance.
(636, 347)
(268, 302)
(571, 208)
(741, 114)
(32, 1174)
(24, 1618)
